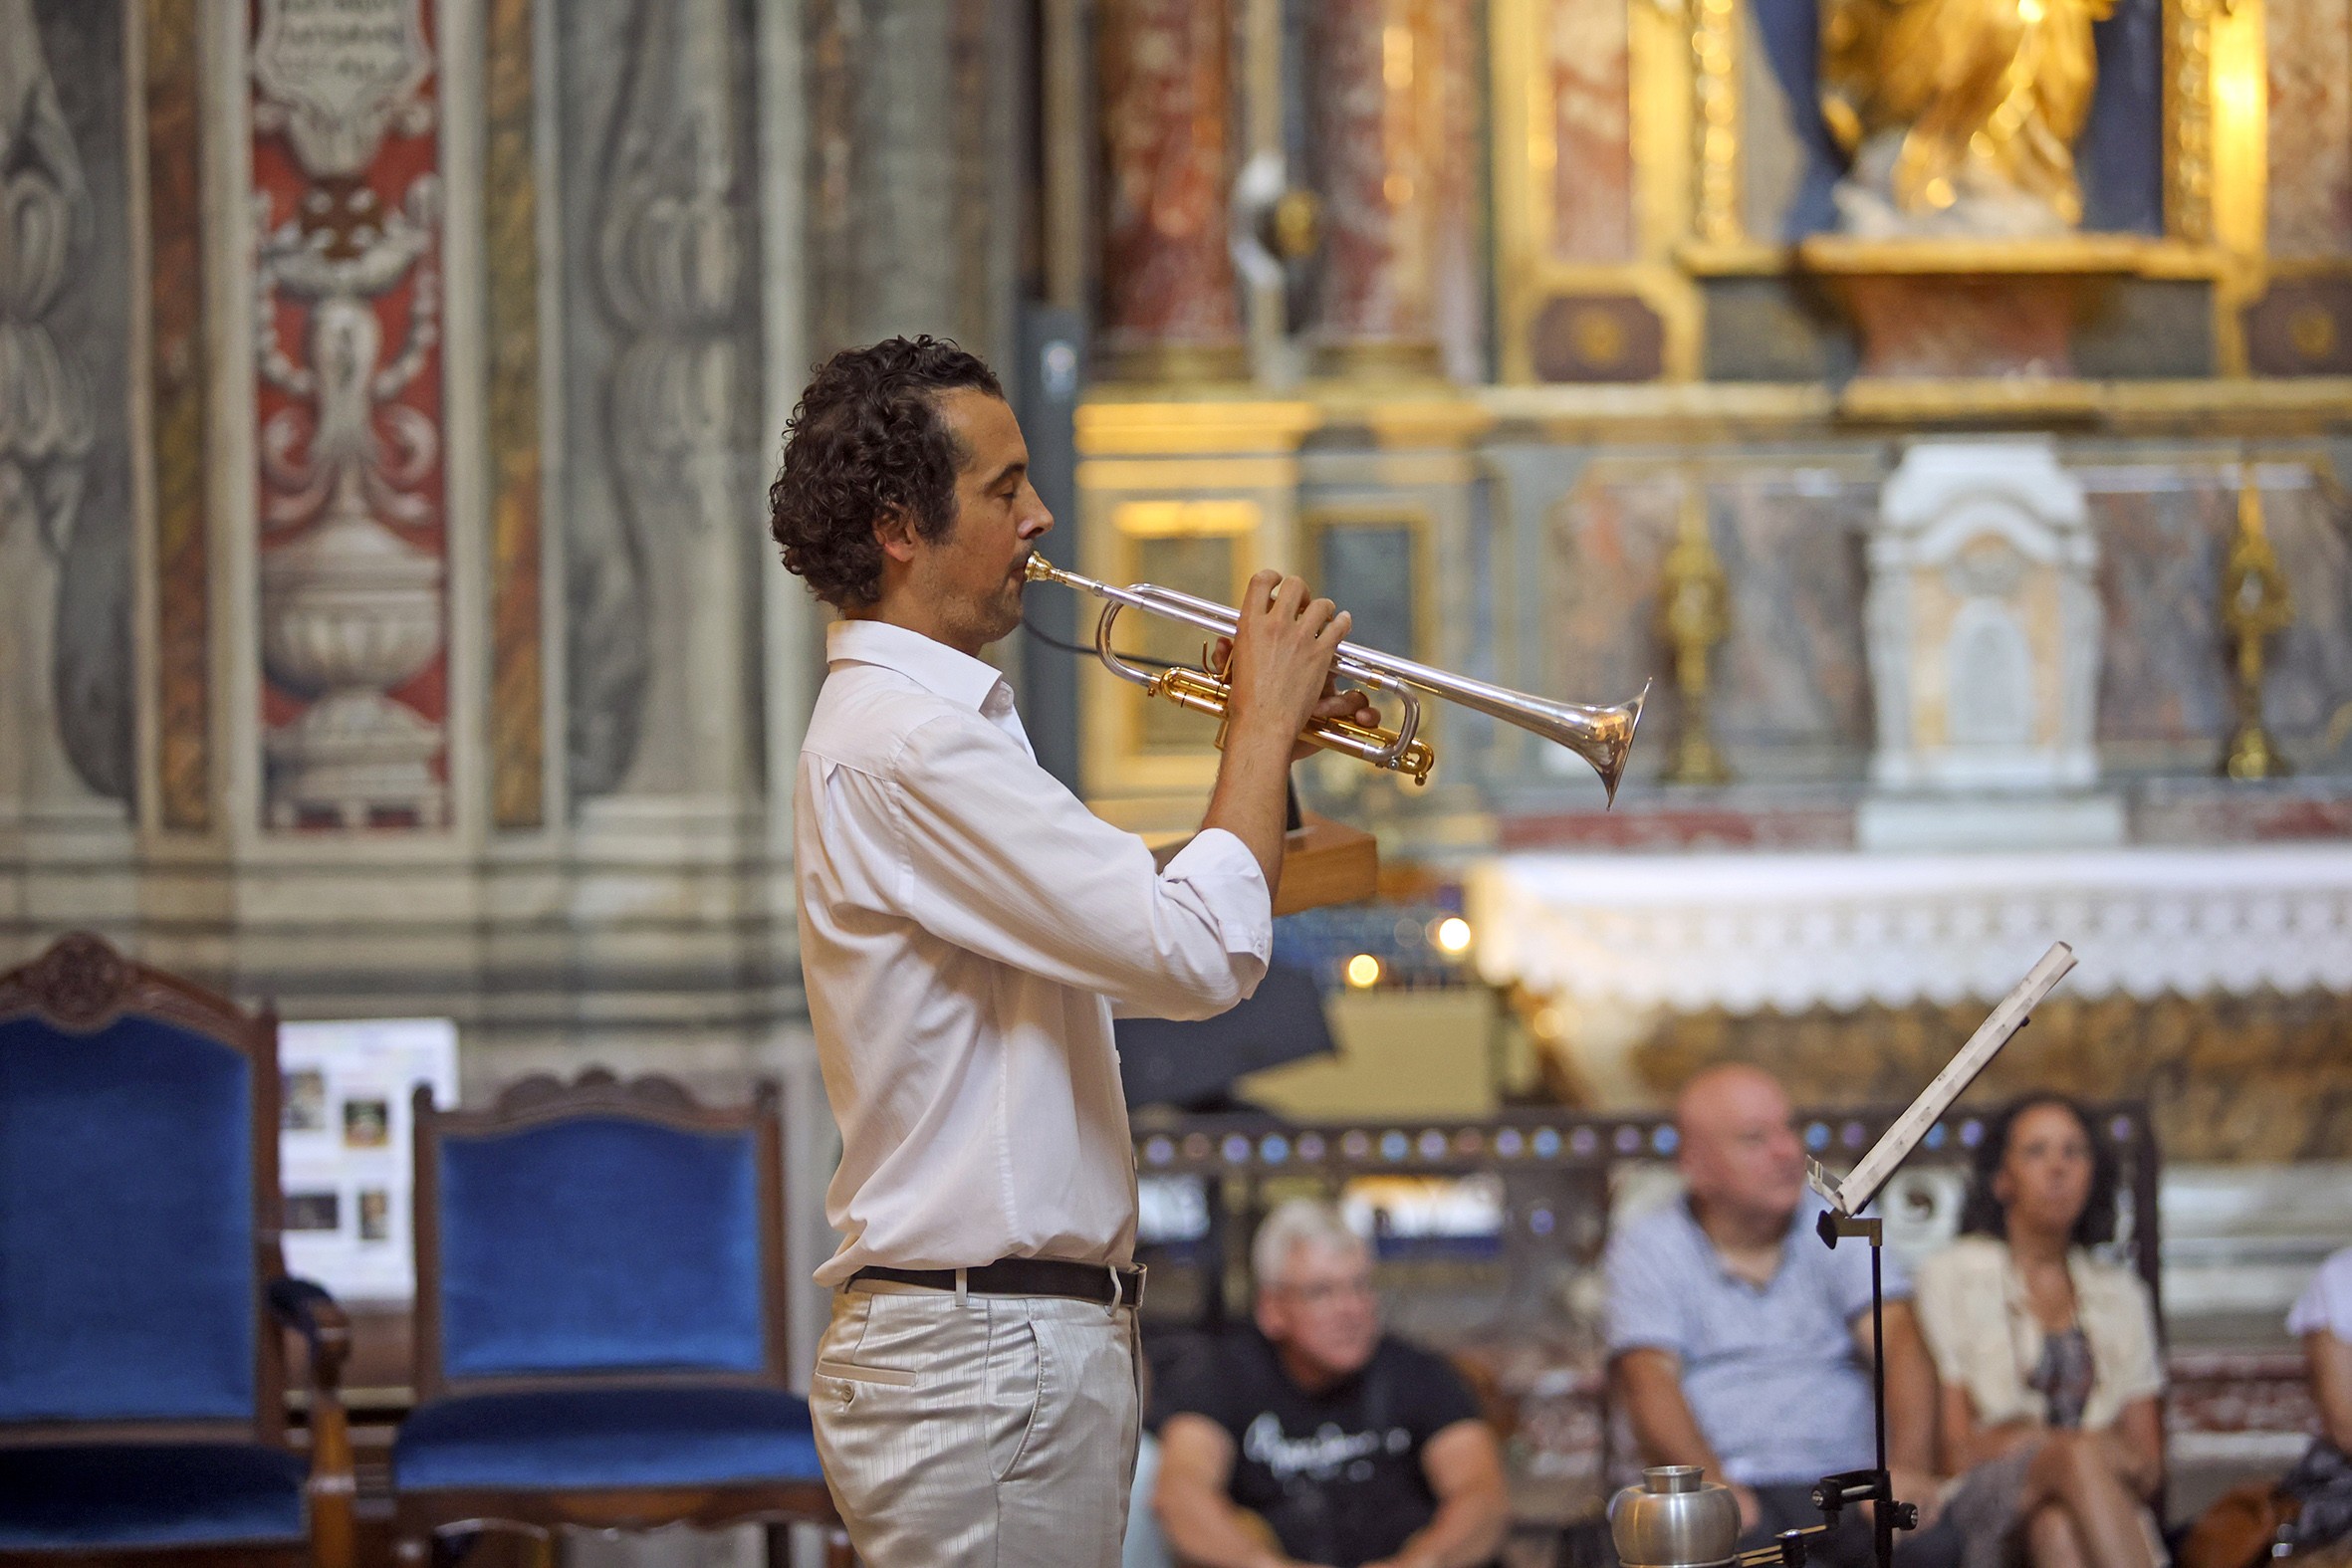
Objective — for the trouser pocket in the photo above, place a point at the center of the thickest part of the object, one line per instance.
(1015, 1389)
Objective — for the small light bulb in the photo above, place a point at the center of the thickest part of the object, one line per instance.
(1364, 972)
(1453, 935)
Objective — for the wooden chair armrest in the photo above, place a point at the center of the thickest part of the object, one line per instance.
(320, 1319)
(325, 1330)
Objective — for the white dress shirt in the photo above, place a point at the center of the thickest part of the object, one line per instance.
(967, 926)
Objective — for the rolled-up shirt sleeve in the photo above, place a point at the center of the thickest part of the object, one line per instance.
(996, 856)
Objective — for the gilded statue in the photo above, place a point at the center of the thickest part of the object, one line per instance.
(1960, 116)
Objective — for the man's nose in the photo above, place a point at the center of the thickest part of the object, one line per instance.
(1037, 523)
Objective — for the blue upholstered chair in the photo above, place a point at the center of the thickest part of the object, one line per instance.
(143, 1375)
(601, 1318)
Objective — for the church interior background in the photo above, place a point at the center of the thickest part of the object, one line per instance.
(388, 392)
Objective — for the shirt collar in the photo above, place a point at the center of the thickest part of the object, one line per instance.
(1800, 1227)
(935, 666)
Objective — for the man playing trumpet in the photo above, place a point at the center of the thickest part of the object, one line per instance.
(967, 928)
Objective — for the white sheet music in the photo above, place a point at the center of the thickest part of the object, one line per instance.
(1849, 1195)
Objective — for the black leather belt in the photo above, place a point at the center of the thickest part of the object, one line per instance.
(1024, 1276)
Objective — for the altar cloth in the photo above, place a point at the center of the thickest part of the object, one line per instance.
(1747, 933)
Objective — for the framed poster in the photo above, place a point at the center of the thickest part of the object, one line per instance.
(344, 1147)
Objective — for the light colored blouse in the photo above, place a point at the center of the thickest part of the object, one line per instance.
(2327, 1301)
(1984, 1336)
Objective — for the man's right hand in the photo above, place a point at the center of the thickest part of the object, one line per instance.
(1750, 1510)
(1282, 648)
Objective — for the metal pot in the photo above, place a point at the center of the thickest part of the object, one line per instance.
(1676, 1518)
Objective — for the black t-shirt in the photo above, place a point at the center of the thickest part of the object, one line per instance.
(1338, 1475)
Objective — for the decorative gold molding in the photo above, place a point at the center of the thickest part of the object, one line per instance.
(1933, 399)
(1182, 474)
(1109, 427)
(2240, 128)
(1729, 410)
(2072, 253)
(1199, 468)
(1116, 713)
(1659, 66)
(2241, 161)
(1715, 120)
(1659, 72)
(1186, 519)
(2189, 118)
(1410, 423)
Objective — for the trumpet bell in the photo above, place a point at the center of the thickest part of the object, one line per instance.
(1603, 737)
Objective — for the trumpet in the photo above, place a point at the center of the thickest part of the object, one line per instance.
(1601, 736)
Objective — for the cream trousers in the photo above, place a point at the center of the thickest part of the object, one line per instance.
(994, 1431)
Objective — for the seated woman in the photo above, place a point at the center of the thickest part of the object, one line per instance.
(2047, 1356)
(2322, 1321)
(2321, 1484)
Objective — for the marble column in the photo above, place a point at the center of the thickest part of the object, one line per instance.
(913, 171)
(677, 270)
(1171, 310)
(185, 706)
(1394, 148)
(66, 747)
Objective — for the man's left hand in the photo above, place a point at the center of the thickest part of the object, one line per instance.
(1336, 702)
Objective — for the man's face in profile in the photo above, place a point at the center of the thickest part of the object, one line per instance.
(974, 574)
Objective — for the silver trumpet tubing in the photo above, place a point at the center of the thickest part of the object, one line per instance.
(1601, 736)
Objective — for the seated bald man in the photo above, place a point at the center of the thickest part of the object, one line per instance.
(1318, 1440)
(1739, 1342)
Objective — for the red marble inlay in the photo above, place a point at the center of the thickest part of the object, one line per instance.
(1678, 831)
(2310, 195)
(1587, 56)
(1963, 326)
(1167, 276)
(1395, 147)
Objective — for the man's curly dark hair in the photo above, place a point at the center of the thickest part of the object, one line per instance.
(1981, 1213)
(865, 441)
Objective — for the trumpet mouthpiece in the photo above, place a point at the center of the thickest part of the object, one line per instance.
(1038, 570)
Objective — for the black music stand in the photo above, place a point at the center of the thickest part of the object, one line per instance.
(1847, 1198)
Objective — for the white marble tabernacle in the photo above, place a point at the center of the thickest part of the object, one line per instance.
(1984, 621)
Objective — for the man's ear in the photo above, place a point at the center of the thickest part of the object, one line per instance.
(894, 531)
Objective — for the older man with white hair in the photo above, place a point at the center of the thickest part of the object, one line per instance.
(1317, 1439)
